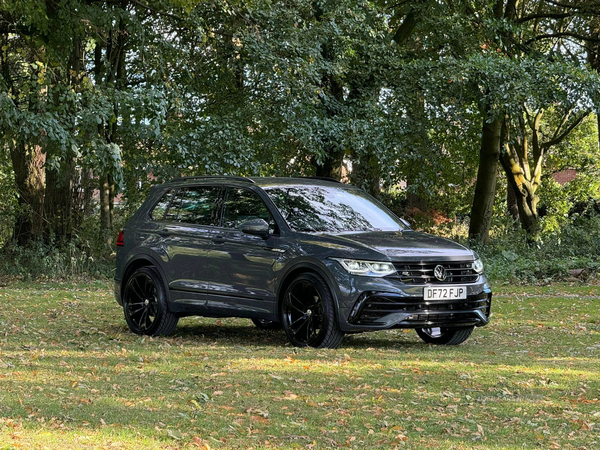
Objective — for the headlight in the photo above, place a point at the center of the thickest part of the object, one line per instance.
(367, 268)
(478, 265)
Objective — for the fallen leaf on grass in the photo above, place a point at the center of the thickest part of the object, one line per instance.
(177, 435)
(259, 419)
(288, 395)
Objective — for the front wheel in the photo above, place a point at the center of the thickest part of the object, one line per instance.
(308, 313)
(445, 336)
(145, 304)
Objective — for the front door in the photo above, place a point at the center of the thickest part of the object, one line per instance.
(241, 266)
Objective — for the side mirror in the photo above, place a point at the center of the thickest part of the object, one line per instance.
(256, 227)
(405, 223)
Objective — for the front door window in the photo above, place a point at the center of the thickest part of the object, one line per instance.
(242, 205)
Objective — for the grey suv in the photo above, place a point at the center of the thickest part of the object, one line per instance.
(312, 256)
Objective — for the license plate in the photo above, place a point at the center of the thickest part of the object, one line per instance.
(445, 293)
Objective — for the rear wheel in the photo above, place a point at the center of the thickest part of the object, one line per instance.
(308, 313)
(265, 324)
(145, 304)
(444, 336)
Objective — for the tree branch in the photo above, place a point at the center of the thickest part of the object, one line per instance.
(406, 28)
(154, 10)
(564, 120)
(561, 137)
(566, 34)
(579, 5)
(544, 16)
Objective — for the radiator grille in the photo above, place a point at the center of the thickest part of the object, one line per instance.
(423, 273)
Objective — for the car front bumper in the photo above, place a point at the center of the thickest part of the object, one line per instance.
(382, 310)
(371, 303)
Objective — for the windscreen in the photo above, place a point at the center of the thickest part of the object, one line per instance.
(331, 209)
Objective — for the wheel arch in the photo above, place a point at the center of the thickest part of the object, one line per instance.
(306, 267)
(143, 260)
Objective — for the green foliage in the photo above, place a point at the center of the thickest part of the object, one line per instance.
(139, 92)
(572, 252)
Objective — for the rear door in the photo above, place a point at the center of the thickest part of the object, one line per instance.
(186, 230)
(241, 266)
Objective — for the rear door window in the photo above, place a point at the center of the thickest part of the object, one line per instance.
(161, 208)
(199, 205)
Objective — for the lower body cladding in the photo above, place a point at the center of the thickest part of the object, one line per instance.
(379, 304)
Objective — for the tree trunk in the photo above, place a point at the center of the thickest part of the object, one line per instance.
(598, 120)
(526, 201)
(511, 202)
(524, 190)
(88, 187)
(28, 166)
(528, 215)
(593, 57)
(331, 166)
(366, 173)
(485, 187)
(105, 208)
(111, 201)
(413, 198)
(418, 117)
(58, 202)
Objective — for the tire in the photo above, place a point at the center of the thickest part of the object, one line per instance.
(265, 324)
(308, 313)
(145, 304)
(444, 336)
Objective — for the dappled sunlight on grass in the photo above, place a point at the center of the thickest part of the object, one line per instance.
(72, 376)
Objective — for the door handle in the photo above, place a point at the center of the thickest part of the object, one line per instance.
(219, 239)
(164, 232)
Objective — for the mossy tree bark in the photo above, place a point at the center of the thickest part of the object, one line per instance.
(523, 156)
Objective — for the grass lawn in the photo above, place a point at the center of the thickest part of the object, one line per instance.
(72, 376)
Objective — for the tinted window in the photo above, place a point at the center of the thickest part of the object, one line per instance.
(331, 209)
(159, 210)
(197, 205)
(242, 205)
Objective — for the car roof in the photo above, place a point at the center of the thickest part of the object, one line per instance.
(295, 181)
(262, 182)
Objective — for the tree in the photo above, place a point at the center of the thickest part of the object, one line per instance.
(58, 121)
(491, 140)
(523, 158)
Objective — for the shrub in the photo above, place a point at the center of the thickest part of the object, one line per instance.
(45, 260)
(572, 250)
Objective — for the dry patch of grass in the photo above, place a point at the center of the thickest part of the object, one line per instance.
(72, 377)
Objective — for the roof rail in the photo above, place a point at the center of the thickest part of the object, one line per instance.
(214, 177)
(324, 179)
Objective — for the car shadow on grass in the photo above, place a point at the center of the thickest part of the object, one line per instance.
(231, 335)
(240, 334)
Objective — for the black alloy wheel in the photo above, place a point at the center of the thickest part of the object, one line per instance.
(145, 306)
(308, 315)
